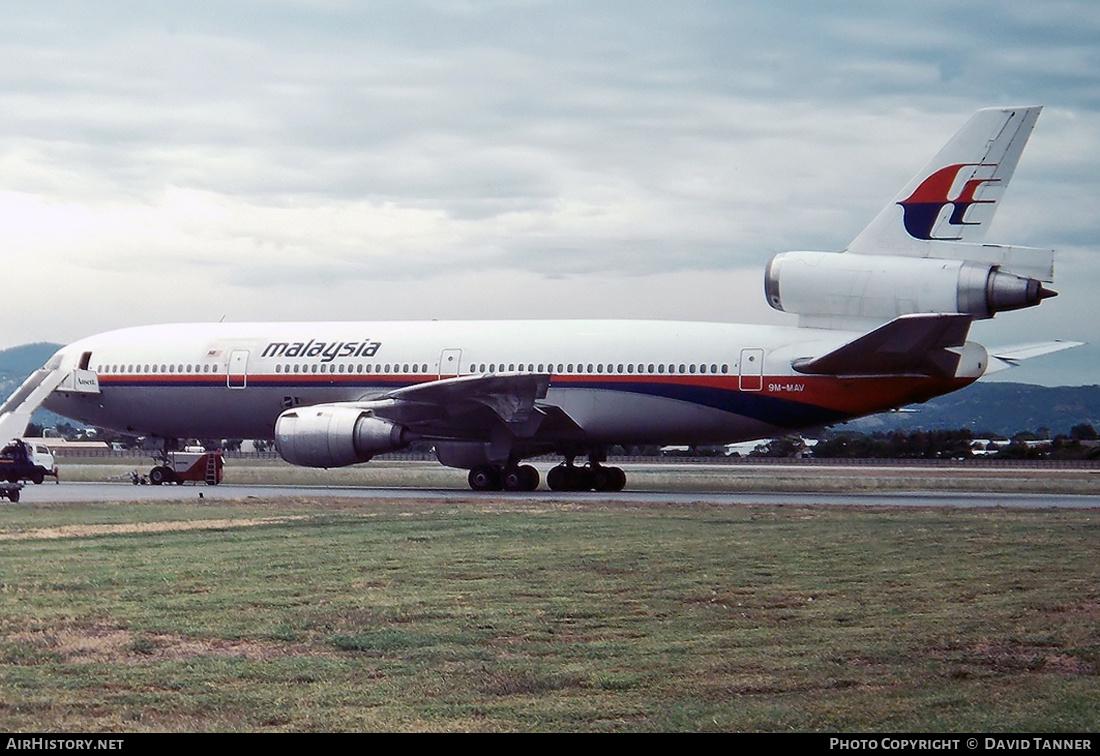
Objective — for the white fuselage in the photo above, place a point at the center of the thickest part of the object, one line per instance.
(629, 382)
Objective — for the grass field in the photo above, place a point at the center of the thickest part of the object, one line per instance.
(503, 615)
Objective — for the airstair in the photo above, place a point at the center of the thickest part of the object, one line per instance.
(15, 413)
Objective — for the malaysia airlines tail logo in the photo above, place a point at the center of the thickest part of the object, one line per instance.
(923, 207)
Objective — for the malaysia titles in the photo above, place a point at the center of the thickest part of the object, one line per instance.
(326, 351)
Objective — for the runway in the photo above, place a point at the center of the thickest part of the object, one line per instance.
(77, 492)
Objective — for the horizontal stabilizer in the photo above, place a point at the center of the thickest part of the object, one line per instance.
(1004, 358)
(911, 344)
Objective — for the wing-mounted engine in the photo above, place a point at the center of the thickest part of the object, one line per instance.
(828, 288)
(334, 435)
(476, 409)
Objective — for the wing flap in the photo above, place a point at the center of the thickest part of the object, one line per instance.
(466, 406)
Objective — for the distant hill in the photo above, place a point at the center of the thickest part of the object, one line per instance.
(16, 363)
(1003, 408)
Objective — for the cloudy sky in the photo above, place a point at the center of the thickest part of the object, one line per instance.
(332, 160)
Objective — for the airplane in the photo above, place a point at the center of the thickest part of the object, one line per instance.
(882, 324)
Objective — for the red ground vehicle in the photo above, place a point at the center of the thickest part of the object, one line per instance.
(197, 467)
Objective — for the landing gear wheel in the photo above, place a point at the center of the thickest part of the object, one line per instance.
(568, 478)
(520, 478)
(588, 478)
(160, 475)
(618, 478)
(484, 478)
(556, 478)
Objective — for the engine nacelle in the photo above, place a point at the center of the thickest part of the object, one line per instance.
(884, 286)
(327, 435)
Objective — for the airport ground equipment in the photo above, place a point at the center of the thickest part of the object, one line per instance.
(193, 467)
(23, 461)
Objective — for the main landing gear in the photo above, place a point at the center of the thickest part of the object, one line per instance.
(565, 477)
(591, 477)
(508, 478)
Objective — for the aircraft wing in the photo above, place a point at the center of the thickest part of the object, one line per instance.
(910, 344)
(465, 406)
(1003, 358)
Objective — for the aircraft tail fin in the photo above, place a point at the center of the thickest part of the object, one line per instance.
(946, 209)
(924, 252)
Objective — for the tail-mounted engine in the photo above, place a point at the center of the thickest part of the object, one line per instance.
(882, 287)
(329, 435)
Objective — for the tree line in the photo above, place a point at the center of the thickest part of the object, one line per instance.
(1081, 443)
